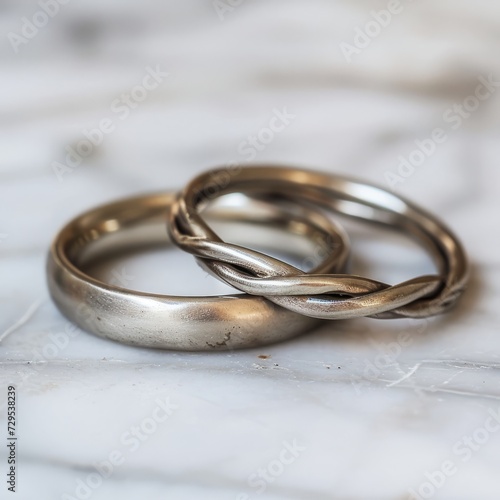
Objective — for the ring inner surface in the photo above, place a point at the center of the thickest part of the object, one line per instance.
(95, 240)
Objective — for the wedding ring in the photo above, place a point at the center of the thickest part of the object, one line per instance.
(184, 323)
(326, 296)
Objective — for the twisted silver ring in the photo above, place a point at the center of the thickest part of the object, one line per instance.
(172, 322)
(322, 296)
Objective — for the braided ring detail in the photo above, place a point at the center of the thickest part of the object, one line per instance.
(326, 296)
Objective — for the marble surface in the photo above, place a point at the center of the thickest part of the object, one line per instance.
(362, 409)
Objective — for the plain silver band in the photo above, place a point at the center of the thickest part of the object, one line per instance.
(334, 296)
(171, 322)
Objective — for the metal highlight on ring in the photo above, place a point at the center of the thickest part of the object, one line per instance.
(279, 300)
(173, 322)
(323, 296)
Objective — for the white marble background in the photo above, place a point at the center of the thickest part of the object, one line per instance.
(374, 415)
